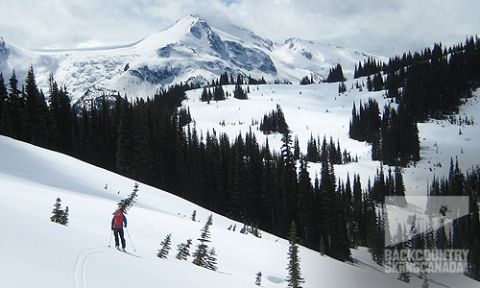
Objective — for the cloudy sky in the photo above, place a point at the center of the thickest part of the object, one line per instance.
(383, 27)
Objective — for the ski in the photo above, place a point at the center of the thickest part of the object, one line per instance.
(129, 253)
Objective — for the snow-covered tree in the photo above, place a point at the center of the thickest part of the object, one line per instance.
(184, 250)
(163, 251)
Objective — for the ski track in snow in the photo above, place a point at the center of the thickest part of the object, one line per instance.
(79, 268)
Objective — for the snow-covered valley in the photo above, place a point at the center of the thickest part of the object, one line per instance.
(38, 252)
(319, 110)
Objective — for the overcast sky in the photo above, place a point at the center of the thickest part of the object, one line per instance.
(382, 27)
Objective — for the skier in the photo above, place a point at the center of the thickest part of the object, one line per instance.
(118, 222)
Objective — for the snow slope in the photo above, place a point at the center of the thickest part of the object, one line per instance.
(189, 51)
(36, 252)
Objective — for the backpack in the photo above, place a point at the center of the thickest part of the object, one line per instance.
(118, 220)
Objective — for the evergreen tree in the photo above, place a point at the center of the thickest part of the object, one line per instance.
(307, 213)
(35, 112)
(201, 255)
(165, 247)
(335, 74)
(258, 279)
(211, 262)
(305, 81)
(296, 148)
(238, 91)
(403, 275)
(124, 156)
(294, 277)
(205, 97)
(342, 88)
(288, 181)
(3, 99)
(218, 93)
(64, 220)
(400, 187)
(184, 250)
(274, 122)
(209, 220)
(58, 213)
(16, 109)
(60, 118)
(377, 83)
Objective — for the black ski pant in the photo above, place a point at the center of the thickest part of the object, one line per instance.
(119, 232)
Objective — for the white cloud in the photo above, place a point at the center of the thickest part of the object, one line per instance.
(383, 27)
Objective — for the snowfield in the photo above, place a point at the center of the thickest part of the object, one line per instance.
(319, 110)
(36, 252)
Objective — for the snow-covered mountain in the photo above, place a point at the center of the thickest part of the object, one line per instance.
(189, 51)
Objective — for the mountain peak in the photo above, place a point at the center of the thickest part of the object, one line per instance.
(191, 24)
(188, 19)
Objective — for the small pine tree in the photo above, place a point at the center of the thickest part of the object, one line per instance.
(57, 212)
(256, 232)
(404, 276)
(258, 279)
(210, 220)
(425, 283)
(184, 250)
(294, 278)
(194, 215)
(211, 260)
(424, 275)
(163, 251)
(64, 220)
(200, 255)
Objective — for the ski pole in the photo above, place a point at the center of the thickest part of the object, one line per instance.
(131, 242)
(110, 241)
